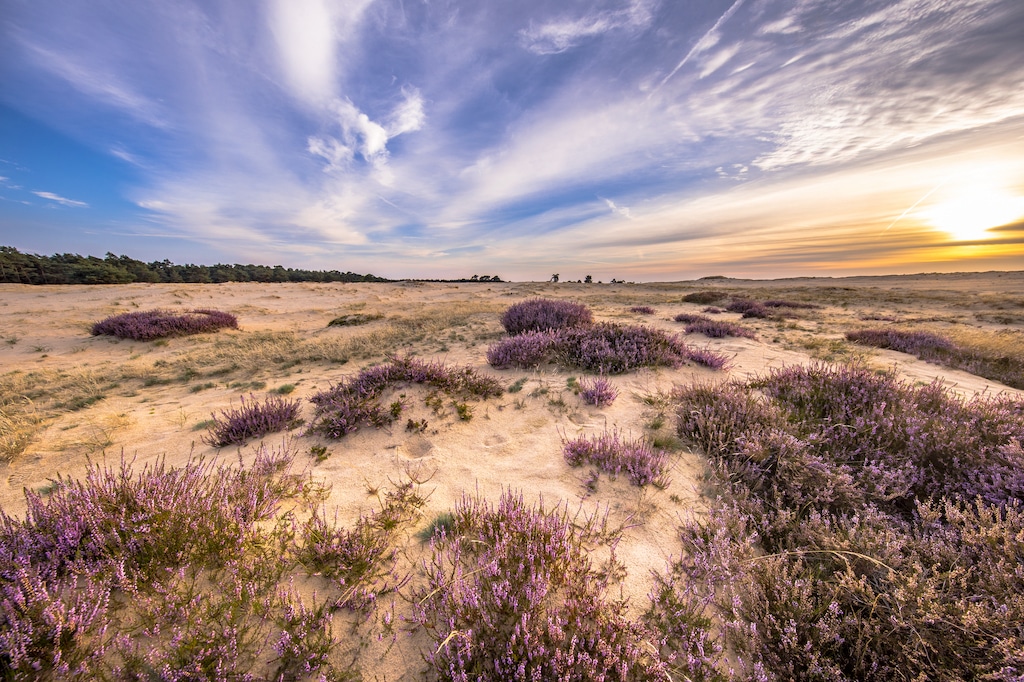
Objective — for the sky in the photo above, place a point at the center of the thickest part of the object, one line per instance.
(643, 140)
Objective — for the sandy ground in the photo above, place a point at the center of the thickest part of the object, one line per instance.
(511, 442)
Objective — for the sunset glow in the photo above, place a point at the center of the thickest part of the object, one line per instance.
(973, 211)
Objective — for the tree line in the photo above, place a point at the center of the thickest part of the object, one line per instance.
(71, 268)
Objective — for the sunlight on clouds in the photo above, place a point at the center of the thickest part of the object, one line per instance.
(970, 211)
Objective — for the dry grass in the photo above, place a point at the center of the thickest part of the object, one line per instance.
(31, 401)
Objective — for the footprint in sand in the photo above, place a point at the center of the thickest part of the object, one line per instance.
(415, 448)
(495, 440)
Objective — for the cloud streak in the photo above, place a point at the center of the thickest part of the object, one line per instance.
(58, 199)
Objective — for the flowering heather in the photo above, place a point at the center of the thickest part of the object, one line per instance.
(612, 453)
(186, 573)
(748, 308)
(925, 345)
(716, 329)
(252, 420)
(157, 324)
(642, 310)
(525, 350)
(874, 504)
(344, 408)
(599, 391)
(511, 595)
(604, 348)
(607, 348)
(542, 314)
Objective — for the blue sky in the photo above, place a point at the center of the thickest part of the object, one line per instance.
(630, 139)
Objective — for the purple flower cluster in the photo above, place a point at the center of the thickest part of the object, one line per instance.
(543, 314)
(614, 454)
(118, 531)
(511, 595)
(642, 310)
(184, 573)
(157, 324)
(525, 350)
(716, 329)
(748, 308)
(940, 350)
(344, 408)
(925, 345)
(603, 348)
(863, 510)
(599, 391)
(252, 420)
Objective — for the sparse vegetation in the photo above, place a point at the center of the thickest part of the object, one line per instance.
(157, 324)
(253, 419)
(354, 319)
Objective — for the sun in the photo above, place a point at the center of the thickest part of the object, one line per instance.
(969, 212)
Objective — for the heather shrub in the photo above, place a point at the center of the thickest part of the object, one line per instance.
(642, 310)
(704, 297)
(542, 314)
(603, 348)
(252, 420)
(186, 573)
(614, 349)
(615, 454)
(925, 345)
(157, 324)
(511, 594)
(344, 408)
(748, 308)
(599, 391)
(861, 513)
(525, 350)
(716, 329)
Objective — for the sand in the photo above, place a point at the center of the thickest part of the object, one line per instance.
(152, 398)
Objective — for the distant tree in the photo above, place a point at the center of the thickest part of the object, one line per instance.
(495, 278)
(554, 278)
(474, 278)
(485, 278)
(588, 280)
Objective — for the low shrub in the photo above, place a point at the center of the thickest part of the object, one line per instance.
(859, 536)
(186, 573)
(542, 314)
(642, 310)
(748, 308)
(157, 324)
(511, 594)
(925, 345)
(252, 420)
(614, 454)
(344, 408)
(599, 391)
(354, 319)
(716, 329)
(525, 350)
(602, 348)
(704, 297)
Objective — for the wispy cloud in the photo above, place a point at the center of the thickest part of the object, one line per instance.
(560, 35)
(58, 199)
